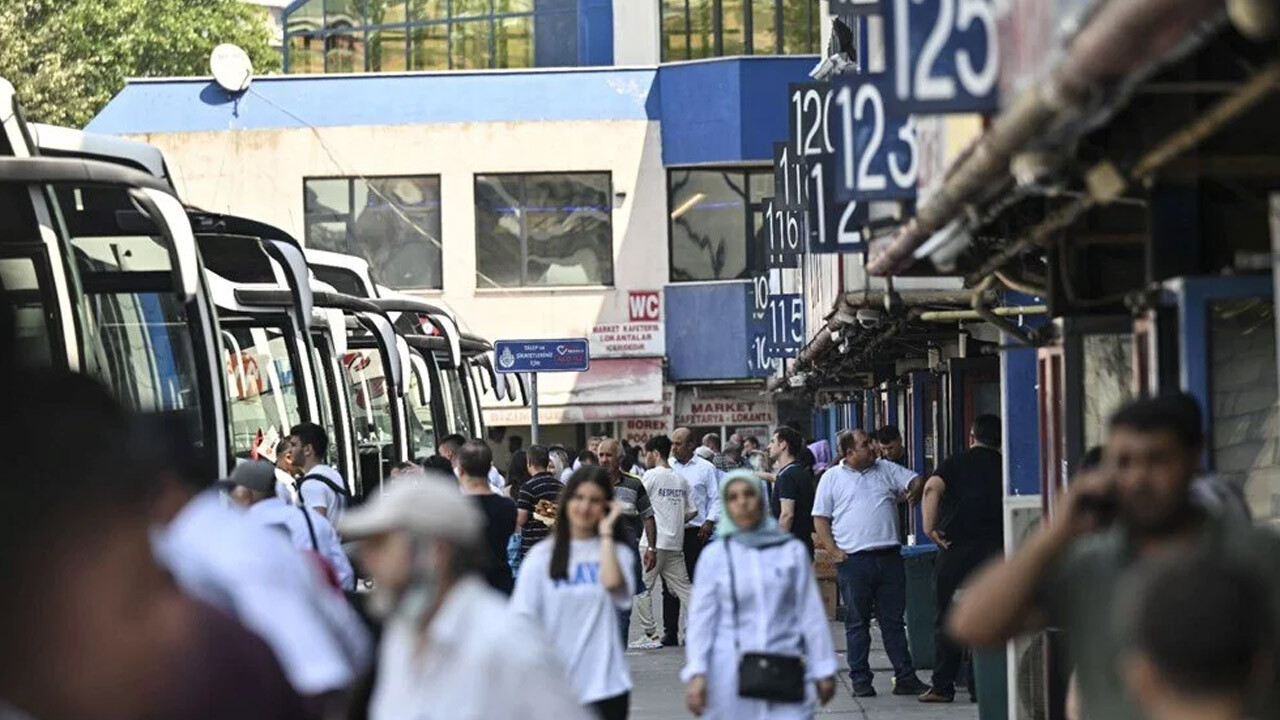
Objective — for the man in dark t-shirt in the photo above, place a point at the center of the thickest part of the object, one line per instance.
(793, 486)
(964, 514)
(474, 460)
(541, 486)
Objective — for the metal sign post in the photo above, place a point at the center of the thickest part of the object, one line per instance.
(535, 356)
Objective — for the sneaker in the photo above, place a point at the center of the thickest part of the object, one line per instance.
(863, 690)
(652, 642)
(933, 695)
(909, 686)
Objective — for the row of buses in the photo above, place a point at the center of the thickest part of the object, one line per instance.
(221, 323)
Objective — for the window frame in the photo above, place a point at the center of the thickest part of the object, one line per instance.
(349, 217)
(524, 238)
(813, 30)
(750, 211)
(365, 29)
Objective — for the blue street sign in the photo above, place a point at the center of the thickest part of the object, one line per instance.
(876, 156)
(564, 355)
(943, 55)
(785, 325)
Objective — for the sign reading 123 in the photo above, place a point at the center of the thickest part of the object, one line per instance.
(876, 153)
(945, 54)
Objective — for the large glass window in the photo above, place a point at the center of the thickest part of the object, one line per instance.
(693, 29)
(422, 436)
(546, 229)
(393, 222)
(340, 36)
(259, 371)
(717, 223)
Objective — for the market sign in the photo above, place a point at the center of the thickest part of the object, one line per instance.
(706, 410)
(639, 431)
(641, 335)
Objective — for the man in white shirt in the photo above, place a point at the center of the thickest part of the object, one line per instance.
(307, 529)
(704, 488)
(673, 506)
(320, 486)
(855, 514)
(447, 645)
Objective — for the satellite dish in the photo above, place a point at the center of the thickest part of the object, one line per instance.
(231, 67)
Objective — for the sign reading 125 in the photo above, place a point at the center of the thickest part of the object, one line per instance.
(945, 54)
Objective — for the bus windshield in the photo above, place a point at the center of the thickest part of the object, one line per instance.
(370, 413)
(422, 437)
(456, 399)
(324, 382)
(260, 383)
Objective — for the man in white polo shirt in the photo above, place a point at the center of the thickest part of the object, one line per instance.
(855, 514)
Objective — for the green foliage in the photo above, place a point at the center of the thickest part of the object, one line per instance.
(67, 58)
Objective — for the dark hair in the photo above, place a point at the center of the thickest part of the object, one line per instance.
(751, 439)
(806, 457)
(517, 471)
(888, 434)
(402, 465)
(712, 441)
(792, 439)
(475, 458)
(438, 463)
(539, 457)
(560, 550)
(587, 457)
(660, 443)
(733, 449)
(1090, 460)
(453, 440)
(986, 430)
(1204, 623)
(1177, 413)
(311, 435)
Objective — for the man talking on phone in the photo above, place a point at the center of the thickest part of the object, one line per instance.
(1071, 572)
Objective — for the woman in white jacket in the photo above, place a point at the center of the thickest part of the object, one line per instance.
(778, 610)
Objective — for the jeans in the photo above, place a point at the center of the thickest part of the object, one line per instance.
(952, 567)
(878, 575)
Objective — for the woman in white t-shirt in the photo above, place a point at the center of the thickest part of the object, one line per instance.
(574, 586)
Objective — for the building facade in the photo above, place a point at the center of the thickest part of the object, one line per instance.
(574, 198)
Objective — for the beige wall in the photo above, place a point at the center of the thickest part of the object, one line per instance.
(258, 174)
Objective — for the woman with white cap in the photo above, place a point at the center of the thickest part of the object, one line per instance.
(574, 586)
(757, 643)
(447, 649)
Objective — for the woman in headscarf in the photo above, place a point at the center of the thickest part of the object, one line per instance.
(821, 451)
(754, 592)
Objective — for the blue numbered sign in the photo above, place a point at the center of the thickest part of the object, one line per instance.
(876, 153)
(786, 325)
(943, 55)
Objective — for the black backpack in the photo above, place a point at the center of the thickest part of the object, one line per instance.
(341, 491)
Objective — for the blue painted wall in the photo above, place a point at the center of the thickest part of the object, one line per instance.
(1021, 408)
(726, 110)
(706, 331)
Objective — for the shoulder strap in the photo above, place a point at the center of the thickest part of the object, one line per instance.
(311, 529)
(733, 595)
(332, 485)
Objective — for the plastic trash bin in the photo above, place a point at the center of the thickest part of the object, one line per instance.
(922, 605)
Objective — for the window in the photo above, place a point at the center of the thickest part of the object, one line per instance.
(342, 36)
(393, 222)
(546, 229)
(259, 375)
(717, 223)
(693, 29)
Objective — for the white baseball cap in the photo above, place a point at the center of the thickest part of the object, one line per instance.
(423, 506)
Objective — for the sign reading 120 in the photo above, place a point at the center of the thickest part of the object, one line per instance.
(945, 54)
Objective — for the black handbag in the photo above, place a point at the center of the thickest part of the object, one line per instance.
(764, 676)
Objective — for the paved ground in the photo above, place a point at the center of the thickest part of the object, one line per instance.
(658, 694)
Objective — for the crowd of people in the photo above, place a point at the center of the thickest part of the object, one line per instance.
(146, 590)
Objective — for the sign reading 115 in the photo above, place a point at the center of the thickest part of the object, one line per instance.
(945, 56)
(786, 324)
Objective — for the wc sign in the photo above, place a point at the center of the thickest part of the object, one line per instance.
(637, 330)
(645, 305)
